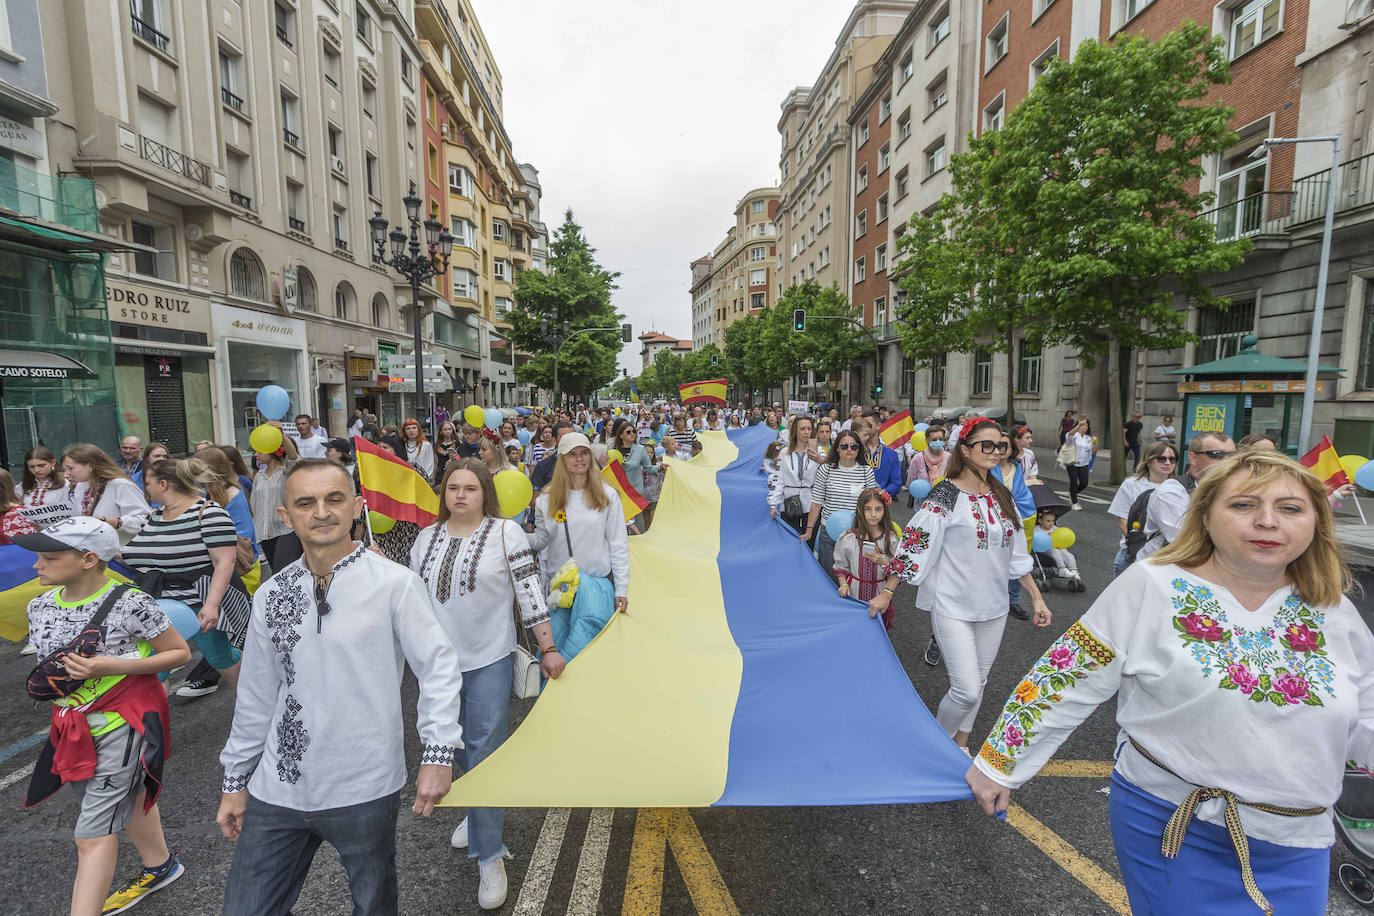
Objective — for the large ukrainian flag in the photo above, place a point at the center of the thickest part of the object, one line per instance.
(737, 677)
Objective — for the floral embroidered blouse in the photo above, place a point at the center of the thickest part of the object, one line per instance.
(1268, 704)
(961, 550)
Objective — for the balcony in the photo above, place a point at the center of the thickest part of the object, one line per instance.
(340, 245)
(145, 31)
(284, 36)
(69, 201)
(291, 137)
(296, 223)
(240, 199)
(233, 101)
(1279, 211)
(173, 160)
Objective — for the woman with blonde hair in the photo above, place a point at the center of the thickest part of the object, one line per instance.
(98, 488)
(578, 517)
(1157, 464)
(491, 453)
(1244, 682)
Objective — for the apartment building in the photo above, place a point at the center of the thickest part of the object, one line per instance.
(242, 147)
(816, 180)
(738, 277)
(703, 303)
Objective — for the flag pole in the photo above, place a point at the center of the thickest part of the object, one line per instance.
(367, 524)
(1359, 509)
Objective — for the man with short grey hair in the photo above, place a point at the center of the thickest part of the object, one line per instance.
(130, 458)
(1169, 501)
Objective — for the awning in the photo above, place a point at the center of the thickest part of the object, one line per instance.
(40, 364)
(39, 235)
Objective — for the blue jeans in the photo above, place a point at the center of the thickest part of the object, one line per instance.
(825, 552)
(485, 718)
(1119, 563)
(1013, 592)
(276, 846)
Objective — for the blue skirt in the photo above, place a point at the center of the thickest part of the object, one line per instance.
(1205, 878)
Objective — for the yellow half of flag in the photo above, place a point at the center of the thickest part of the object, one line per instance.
(394, 488)
(897, 430)
(1326, 464)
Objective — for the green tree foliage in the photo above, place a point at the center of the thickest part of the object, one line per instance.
(578, 290)
(1078, 220)
(667, 367)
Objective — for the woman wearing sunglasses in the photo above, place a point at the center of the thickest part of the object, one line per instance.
(845, 474)
(1159, 463)
(961, 546)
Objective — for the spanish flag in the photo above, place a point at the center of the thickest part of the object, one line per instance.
(632, 502)
(394, 488)
(711, 391)
(1326, 464)
(897, 430)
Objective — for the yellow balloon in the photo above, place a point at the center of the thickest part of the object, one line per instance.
(380, 523)
(266, 439)
(474, 415)
(613, 454)
(1063, 538)
(1352, 463)
(616, 411)
(897, 529)
(513, 492)
(918, 441)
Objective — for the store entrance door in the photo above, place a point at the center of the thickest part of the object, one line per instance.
(166, 403)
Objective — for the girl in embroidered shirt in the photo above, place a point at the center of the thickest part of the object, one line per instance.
(863, 552)
(41, 476)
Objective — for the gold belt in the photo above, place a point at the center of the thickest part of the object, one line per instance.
(1177, 827)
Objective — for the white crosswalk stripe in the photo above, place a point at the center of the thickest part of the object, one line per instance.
(535, 888)
(591, 865)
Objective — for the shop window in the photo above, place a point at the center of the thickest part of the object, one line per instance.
(345, 302)
(247, 278)
(1219, 332)
(306, 296)
(982, 371)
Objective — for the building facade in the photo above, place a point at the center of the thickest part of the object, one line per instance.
(738, 278)
(703, 303)
(651, 342)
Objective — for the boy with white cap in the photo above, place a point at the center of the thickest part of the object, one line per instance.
(109, 732)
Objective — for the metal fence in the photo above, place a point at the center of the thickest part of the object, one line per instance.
(1279, 211)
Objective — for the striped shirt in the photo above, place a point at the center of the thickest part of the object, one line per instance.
(837, 488)
(268, 490)
(181, 544)
(537, 452)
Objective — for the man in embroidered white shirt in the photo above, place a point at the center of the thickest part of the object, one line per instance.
(316, 749)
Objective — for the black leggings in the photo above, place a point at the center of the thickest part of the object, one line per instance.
(1078, 481)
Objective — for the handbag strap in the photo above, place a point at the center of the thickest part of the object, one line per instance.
(106, 606)
(515, 599)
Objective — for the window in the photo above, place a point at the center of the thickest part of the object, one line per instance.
(149, 23)
(295, 205)
(885, 109)
(861, 223)
(879, 309)
(305, 291)
(1037, 67)
(982, 371)
(499, 231)
(1253, 22)
(464, 283)
(247, 278)
(333, 65)
(907, 68)
(240, 179)
(937, 374)
(884, 158)
(1242, 173)
(903, 184)
(992, 115)
(758, 206)
(757, 301)
(908, 377)
(937, 94)
(935, 157)
(882, 209)
(405, 69)
(758, 254)
(860, 271)
(345, 303)
(1365, 380)
(381, 313)
(459, 181)
(410, 133)
(997, 44)
(863, 178)
(1135, 6)
(290, 119)
(374, 175)
(863, 133)
(369, 99)
(903, 127)
(163, 263)
(938, 30)
(231, 80)
(340, 228)
(758, 277)
(364, 23)
(500, 269)
(1219, 332)
(1038, 7)
(1027, 367)
(503, 305)
(285, 18)
(880, 258)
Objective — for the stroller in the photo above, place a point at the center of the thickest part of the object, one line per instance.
(1046, 567)
(1354, 812)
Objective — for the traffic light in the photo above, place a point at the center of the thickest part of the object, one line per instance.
(877, 389)
(625, 333)
(715, 361)
(799, 319)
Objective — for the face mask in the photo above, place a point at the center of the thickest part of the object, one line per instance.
(936, 445)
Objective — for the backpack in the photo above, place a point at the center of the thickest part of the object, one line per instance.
(1136, 534)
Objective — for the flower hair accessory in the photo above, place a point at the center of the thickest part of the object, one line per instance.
(886, 497)
(491, 436)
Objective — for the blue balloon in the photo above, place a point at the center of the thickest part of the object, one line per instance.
(1364, 477)
(182, 618)
(1040, 540)
(273, 402)
(524, 437)
(659, 451)
(838, 523)
(491, 418)
(922, 427)
(919, 488)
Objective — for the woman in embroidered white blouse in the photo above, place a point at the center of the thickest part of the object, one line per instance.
(476, 563)
(1245, 682)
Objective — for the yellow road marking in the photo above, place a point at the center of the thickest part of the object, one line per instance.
(1090, 769)
(1071, 860)
(656, 828)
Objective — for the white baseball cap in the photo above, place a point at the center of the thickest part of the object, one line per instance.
(571, 441)
(78, 532)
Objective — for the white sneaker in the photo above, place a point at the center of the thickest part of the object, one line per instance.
(1077, 507)
(1065, 574)
(28, 648)
(491, 890)
(460, 836)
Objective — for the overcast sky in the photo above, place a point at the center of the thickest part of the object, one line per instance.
(651, 119)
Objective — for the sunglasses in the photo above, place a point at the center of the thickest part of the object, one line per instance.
(1216, 454)
(322, 608)
(848, 446)
(1166, 459)
(987, 446)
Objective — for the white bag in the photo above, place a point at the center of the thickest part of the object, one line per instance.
(525, 674)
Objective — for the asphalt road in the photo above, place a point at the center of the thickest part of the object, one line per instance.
(1054, 857)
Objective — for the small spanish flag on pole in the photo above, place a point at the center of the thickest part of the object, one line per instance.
(711, 391)
(394, 488)
(1326, 464)
(897, 430)
(632, 502)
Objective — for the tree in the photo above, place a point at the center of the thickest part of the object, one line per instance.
(830, 343)
(696, 366)
(667, 367)
(1079, 219)
(575, 289)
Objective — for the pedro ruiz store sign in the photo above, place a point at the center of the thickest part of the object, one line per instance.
(152, 314)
